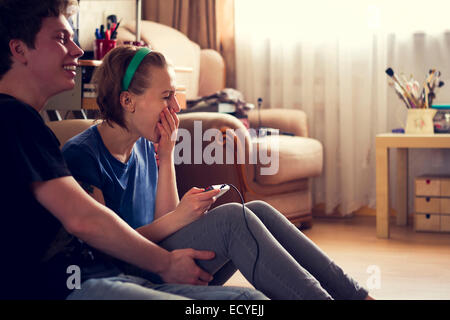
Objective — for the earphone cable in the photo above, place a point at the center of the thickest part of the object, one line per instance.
(250, 231)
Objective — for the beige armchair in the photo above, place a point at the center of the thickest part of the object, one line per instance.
(299, 159)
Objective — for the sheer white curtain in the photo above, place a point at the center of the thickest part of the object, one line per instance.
(329, 58)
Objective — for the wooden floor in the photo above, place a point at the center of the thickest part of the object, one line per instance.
(411, 265)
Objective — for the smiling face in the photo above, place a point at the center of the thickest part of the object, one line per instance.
(52, 63)
(148, 106)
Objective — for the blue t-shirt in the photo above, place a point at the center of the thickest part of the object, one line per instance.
(129, 189)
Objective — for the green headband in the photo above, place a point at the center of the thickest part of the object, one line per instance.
(132, 67)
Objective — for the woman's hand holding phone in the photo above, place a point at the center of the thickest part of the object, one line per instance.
(195, 203)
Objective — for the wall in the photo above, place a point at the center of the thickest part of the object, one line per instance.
(94, 12)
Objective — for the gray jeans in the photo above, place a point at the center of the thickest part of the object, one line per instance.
(288, 264)
(276, 257)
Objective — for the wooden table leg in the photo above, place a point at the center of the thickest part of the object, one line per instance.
(402, 186)
(382, 191)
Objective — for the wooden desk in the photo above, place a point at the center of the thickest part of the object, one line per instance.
(402, 142)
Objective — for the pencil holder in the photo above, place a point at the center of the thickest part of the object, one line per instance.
(102, 47)
(420, 121)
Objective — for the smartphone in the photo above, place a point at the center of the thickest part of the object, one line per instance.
(222, 187)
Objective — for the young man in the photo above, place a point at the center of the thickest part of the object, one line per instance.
(37, 60)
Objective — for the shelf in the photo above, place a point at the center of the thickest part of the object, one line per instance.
(89, 63)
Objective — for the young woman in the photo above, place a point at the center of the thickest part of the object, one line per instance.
(116, 163)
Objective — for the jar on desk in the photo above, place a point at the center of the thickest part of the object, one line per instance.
(441, 121)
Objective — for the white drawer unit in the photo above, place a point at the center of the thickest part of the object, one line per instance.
(432, 204)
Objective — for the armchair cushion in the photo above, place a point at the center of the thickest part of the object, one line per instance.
(299, 158)
(212, 74)
(66, 129)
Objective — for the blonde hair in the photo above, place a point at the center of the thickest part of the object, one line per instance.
(109, 76)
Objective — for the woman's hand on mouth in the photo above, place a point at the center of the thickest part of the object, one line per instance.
(167, 126)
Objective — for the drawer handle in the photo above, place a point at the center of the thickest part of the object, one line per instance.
(427, 216)
(428, 181)
(427, 199)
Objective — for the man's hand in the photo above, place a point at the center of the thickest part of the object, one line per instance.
(183, 269)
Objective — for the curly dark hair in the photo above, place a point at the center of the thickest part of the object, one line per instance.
(22, 19)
